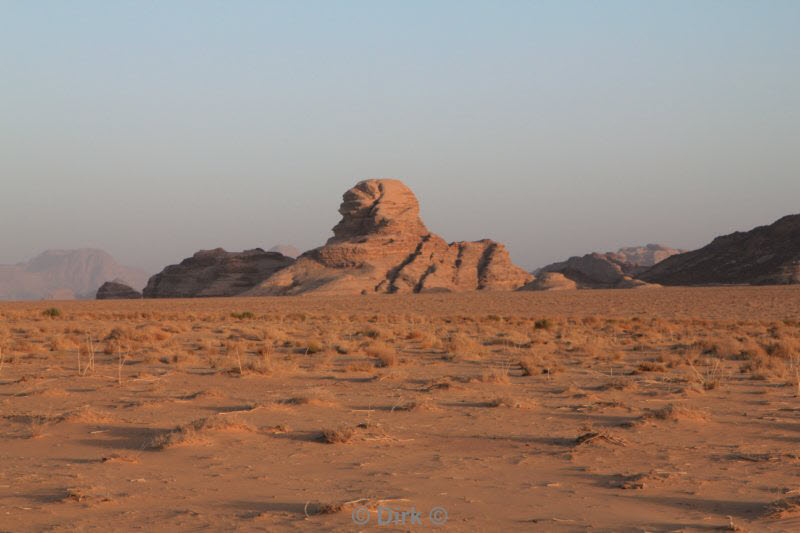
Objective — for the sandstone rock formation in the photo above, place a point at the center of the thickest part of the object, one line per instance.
(764, 255)
(215, 273)
(117, 290)
(381, 245)
(550, 281)
(591, 270)
(610, 270)
(64, 274)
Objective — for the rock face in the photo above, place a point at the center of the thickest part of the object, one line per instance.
(64, 274)
(764, 255)
(550, 281)
(117, 290)
(381, 245)
(215, 273)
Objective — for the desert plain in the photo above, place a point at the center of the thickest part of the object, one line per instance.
(664, 409)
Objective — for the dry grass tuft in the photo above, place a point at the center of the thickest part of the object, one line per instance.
(88, 415)
(676, 413)
(594, 437)
(384, 353)
(783, 508)
(340, 435)
(508, 401)
(424, 404)
(461, 345)
(194, 432)
(498, 375)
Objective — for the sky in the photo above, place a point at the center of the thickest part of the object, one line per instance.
(155, 129)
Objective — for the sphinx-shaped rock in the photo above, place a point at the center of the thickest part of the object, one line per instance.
(381, 245)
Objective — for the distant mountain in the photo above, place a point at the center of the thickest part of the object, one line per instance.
(761, 256)
(644, 256)
(286, 249)
(65, 274)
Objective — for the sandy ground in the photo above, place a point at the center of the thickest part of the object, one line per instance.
(639, 410)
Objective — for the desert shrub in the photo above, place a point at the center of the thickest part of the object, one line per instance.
(497, 375)
(460, 344)
(384, 353)
(337, 436)
(543, 323)
(52, 312)
(529, 366)
(244, 315)
(313, 347)
(783, 349)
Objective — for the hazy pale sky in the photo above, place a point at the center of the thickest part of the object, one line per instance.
(154, 129)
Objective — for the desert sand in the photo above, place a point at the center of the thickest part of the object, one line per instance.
(669, 409)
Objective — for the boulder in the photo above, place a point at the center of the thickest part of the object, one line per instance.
(550, 281)
(382, 246)
(117, 290)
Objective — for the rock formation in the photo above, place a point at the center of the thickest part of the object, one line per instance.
(215, 273)
(764, 255)
(591, 271)
(643, 257)
(117, 290)
(64, 274)
(381, 245)
(610, 270)
(550, 281)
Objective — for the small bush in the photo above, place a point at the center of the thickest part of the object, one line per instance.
(314, 347)
(385, 354)
(337, 436)
(543, 323)
(244, 315)
(52, 312)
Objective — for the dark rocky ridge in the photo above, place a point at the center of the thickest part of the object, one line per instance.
(762, 256)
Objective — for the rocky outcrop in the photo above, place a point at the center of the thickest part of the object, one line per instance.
(764, 255)
(591, 270)
(381, 246)
(64, 274)
(610, 270)
(215, 273)
(550, 281)
(117, 290)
